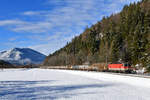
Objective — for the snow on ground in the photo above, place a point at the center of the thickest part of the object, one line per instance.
(46, 84)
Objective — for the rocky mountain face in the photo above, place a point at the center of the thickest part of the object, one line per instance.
(22, 56)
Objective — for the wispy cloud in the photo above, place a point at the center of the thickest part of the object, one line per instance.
(12, 22)
(35, 13)
(50, 47)
(26, 26)
(13, 38)
(73, 13)
(64, 20)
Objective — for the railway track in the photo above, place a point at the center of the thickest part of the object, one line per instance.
(132, 75)
(123, 74)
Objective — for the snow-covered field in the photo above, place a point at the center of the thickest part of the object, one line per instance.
(46, 84)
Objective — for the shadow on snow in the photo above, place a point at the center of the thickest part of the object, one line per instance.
(30, 90)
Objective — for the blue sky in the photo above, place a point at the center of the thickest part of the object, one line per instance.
(47, 25)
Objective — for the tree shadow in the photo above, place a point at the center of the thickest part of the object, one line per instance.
(33, 90)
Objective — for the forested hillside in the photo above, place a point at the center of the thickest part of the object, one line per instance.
(124, 36)
(4, 64)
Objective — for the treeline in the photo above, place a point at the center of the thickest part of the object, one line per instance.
(4, 64)
(124, 36)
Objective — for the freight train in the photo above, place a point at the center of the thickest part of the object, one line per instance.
(101, 67)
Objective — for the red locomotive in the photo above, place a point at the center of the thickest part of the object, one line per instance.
(123, 67)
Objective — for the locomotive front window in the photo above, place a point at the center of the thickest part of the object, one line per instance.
(126, 64)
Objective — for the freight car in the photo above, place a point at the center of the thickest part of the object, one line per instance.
(98, 67)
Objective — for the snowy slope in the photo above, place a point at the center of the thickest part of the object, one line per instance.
(45, 84)
(22, 56)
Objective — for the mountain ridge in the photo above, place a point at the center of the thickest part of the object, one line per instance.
(22, 56)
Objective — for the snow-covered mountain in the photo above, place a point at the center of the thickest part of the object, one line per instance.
(22, 56)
